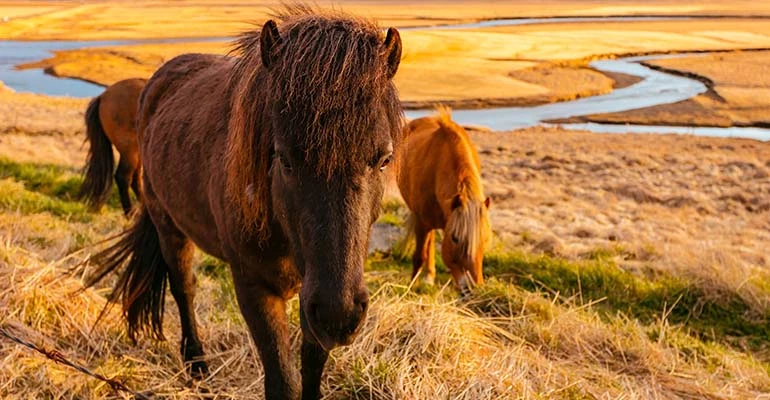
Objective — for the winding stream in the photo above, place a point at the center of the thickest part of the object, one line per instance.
(655, 88)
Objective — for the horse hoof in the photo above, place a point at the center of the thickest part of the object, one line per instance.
(429, 280)
(198, 369)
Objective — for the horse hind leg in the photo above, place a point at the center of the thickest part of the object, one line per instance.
(136, 184)
(178, 252)
(124, 177)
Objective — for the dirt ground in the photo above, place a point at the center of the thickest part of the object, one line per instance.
(643, 197)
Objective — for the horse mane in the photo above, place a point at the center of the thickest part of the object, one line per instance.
(320, 96)
(470, 221)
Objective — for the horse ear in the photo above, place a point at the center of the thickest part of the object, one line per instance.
(269, 38)
(487, 202)
(392, 51)
(457, 201)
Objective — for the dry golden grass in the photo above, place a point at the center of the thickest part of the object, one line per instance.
(650, 200)
(154, 18)
(35, 114)
(503, 342)
(688, 208)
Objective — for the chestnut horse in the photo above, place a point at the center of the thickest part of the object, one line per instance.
(110, 120)
(274, 162)
(439, 176)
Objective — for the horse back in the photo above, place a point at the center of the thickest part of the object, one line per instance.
(168, 79)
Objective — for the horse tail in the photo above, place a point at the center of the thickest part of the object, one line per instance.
(141, 286)
(100, 163)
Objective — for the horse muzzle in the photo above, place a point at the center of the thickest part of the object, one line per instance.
(333, 320)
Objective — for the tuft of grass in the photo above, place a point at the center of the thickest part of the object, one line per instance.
(713, 314)
(51, 180)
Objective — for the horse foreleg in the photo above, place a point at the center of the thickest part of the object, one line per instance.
(265, 315)
(430, 264)
(424, 257)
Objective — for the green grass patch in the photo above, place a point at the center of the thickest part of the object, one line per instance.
(393, 213)
(722, 316)
(56, 181)
(391, 219)
(15, 197)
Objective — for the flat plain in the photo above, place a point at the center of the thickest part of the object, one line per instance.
(622, 266)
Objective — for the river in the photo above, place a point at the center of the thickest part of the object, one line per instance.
(654, 88)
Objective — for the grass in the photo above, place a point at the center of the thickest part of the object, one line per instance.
(48, 187)
(15, 197)
(711, 313)
(542, 327)
(51, 180)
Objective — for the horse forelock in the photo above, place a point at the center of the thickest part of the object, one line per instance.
(326, 96)
(470, 225)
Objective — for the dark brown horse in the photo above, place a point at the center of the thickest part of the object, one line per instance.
(110, 121)
(272, 161)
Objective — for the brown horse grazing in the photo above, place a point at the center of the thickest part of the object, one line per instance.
(273, 162)
(439, 176)
(110, 120)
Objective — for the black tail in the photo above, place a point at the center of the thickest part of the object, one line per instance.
(100, 162)
(142, 284)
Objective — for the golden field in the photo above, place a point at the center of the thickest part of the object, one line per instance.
(122, 19)
(622, 266)
(520, 65)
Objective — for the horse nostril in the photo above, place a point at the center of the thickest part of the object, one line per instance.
(362, 302)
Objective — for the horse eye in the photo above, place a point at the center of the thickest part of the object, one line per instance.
(285, 163)
(455, 239)
(385, 161)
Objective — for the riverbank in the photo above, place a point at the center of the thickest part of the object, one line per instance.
(738, 93)
(519, 66)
